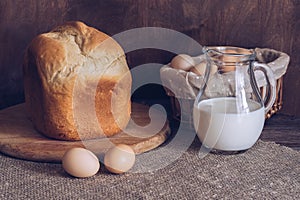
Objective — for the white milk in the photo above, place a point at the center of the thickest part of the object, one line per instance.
(220, 127)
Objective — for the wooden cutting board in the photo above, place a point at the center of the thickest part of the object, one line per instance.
(19, 139)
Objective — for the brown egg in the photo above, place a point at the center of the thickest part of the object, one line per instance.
(80, 162)
(182, 61)
(200, 68)
(119, 159)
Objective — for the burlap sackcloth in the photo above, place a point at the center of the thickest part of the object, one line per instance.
(266, 171)
(186, 85)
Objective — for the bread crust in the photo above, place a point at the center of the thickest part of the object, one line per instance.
(72, 73)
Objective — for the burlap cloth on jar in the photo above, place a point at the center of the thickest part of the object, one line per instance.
(266, 171)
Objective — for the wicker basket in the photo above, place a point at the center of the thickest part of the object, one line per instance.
(182, 108)
(278, 101)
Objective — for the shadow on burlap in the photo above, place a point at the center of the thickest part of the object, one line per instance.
(266, 171)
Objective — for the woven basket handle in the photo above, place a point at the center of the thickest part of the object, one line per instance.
(270, 78)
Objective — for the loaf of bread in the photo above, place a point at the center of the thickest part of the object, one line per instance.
(77, 83)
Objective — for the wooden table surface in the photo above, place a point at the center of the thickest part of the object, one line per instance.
(282, 129)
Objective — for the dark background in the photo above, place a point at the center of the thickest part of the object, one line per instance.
(249, 23)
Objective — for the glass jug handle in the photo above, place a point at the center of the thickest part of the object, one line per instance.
(270, 80)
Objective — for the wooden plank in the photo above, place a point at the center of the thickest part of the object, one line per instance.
(284, 130)
(250, 23)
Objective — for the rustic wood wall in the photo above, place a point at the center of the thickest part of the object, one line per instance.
(248, 23)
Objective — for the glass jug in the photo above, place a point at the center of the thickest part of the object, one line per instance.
(229, 112)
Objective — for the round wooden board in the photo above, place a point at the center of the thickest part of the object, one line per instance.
(19, 139)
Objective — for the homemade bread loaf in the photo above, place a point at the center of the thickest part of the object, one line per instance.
(77, 83)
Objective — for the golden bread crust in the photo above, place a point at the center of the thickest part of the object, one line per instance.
(70, 69)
